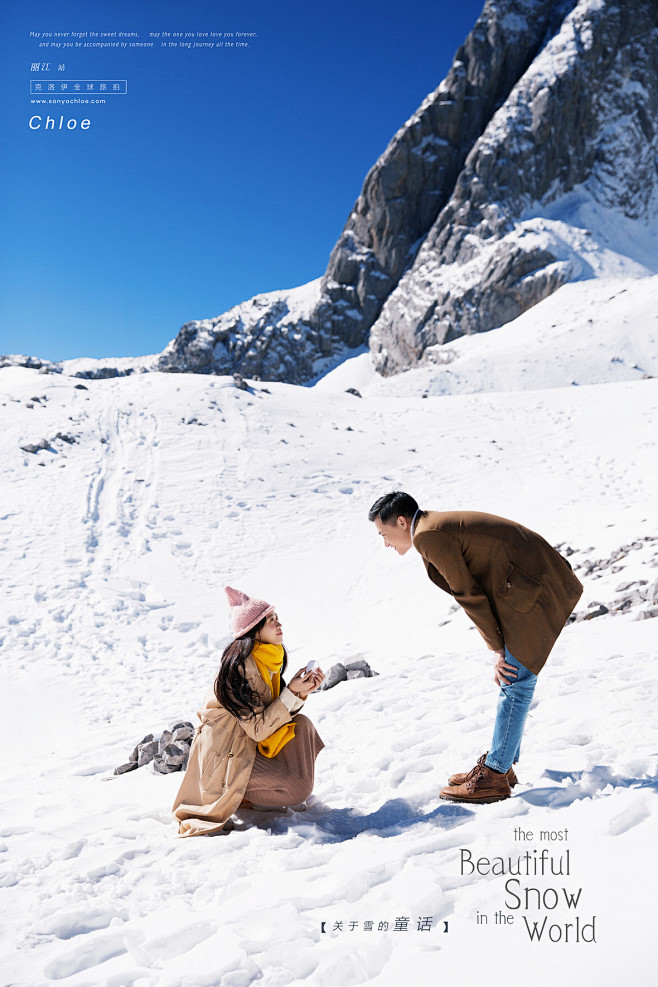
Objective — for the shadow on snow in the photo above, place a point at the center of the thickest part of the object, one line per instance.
(338, 825)
(576, 785)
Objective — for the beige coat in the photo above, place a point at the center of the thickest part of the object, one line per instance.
(516, 588)
(222, 757)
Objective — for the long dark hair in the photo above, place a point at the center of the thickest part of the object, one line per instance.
(231, 686)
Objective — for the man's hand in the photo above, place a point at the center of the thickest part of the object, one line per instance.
(504, 673)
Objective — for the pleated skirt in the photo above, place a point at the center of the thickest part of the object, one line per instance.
(288, 778)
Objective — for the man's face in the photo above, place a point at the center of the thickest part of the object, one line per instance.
(396, 534)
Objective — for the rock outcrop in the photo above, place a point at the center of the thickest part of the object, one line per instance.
(169, 753)
(582, 115)
(415, 178)
(270, 336)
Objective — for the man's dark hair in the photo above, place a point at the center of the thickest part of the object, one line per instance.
(393, 505)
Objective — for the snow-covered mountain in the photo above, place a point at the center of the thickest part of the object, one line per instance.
(532, 164)
(569, 158)
(128, 503)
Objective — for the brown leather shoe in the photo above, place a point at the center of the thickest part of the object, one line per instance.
(463, 776)
(483, 785)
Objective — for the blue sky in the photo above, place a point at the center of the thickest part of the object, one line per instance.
(222, 172)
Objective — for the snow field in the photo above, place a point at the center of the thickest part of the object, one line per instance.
(116, 549)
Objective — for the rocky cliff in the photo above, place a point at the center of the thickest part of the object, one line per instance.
(546, 98)
(582, 116)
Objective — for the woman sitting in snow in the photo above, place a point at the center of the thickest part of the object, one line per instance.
(253, 747)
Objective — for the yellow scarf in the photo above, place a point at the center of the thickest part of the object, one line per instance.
(269, 659)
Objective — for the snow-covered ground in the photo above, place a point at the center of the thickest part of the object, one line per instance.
(156, 490)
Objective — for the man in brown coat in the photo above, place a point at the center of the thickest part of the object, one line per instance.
(517, 590)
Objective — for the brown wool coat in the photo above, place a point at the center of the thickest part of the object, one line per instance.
(515, 587)
(222, 757)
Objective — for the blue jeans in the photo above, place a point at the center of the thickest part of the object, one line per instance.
(513, 705)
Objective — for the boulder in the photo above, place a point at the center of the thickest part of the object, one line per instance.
(169, 753)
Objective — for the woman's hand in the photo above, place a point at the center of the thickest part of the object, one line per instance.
(303, 683)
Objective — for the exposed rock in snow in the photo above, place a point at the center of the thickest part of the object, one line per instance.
(84, 367)
(637, 596)
(169, 753)
(269, 336)
(30, 362)
(359, 669)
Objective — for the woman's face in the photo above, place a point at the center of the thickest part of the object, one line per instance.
(270, 632)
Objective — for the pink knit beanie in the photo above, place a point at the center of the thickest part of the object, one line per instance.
(245, 612)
